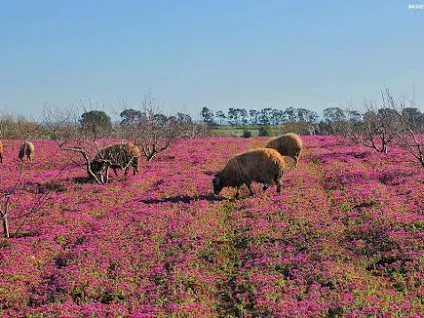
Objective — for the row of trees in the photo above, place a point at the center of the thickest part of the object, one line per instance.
(95, 124)
(381, 125)
(333, 121)
(266, 116)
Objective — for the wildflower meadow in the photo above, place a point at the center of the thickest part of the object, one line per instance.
(344, 239)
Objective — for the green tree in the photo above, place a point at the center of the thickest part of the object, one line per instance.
(96, 123)
(243, 115)
(291, 114)
(207, 115)
(254, 116)
(354, 117)
(160, 119)
(413, 115)
(234, 116)
(130, 116)
(277, 116)
(265, 116)
(334, 114)
(308, 118)
(220, 114)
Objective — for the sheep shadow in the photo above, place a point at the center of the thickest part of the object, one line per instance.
(82, 180)
(183, 199)
(88, 180)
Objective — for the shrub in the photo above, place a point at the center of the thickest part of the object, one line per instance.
(247, 134)
(264, 131)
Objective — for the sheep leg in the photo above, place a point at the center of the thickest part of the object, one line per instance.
(104, 173)
(296, 158)
(279, 180)
(107, 175)
(279, 184)
(114, 170)
(237, 192)
(250, 189)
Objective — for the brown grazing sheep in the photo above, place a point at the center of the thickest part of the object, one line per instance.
(116, 156)
(287, 145)
(27, 149)
(264, 165)
(1, 152)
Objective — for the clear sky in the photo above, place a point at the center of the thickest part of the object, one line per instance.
(216, 53)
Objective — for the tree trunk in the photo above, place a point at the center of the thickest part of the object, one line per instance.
(107, 174)
(151, 155)
(5, 226)
(93, 175)
(384, 148)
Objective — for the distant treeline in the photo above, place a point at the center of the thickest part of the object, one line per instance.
(96, 124)
(334, 120)
(305, 121)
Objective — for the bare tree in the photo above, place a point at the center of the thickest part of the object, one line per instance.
(11, 193)
(69, 136)
(392, 123)
(63, 127)
(187, 127)
(376, 130)
(413, 142)
(14, 127)
(408, 131)
(5, 205)
(153, 132)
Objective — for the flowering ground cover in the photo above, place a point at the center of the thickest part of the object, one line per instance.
(345, 238)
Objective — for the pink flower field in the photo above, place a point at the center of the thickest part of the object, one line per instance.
(344, 239)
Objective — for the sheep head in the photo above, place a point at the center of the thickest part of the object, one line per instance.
(217, 184)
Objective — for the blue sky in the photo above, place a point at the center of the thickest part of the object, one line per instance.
(214, 53)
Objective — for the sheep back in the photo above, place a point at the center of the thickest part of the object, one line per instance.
(27, 149)
(287, 145)
(262, 165)
(119, 154)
